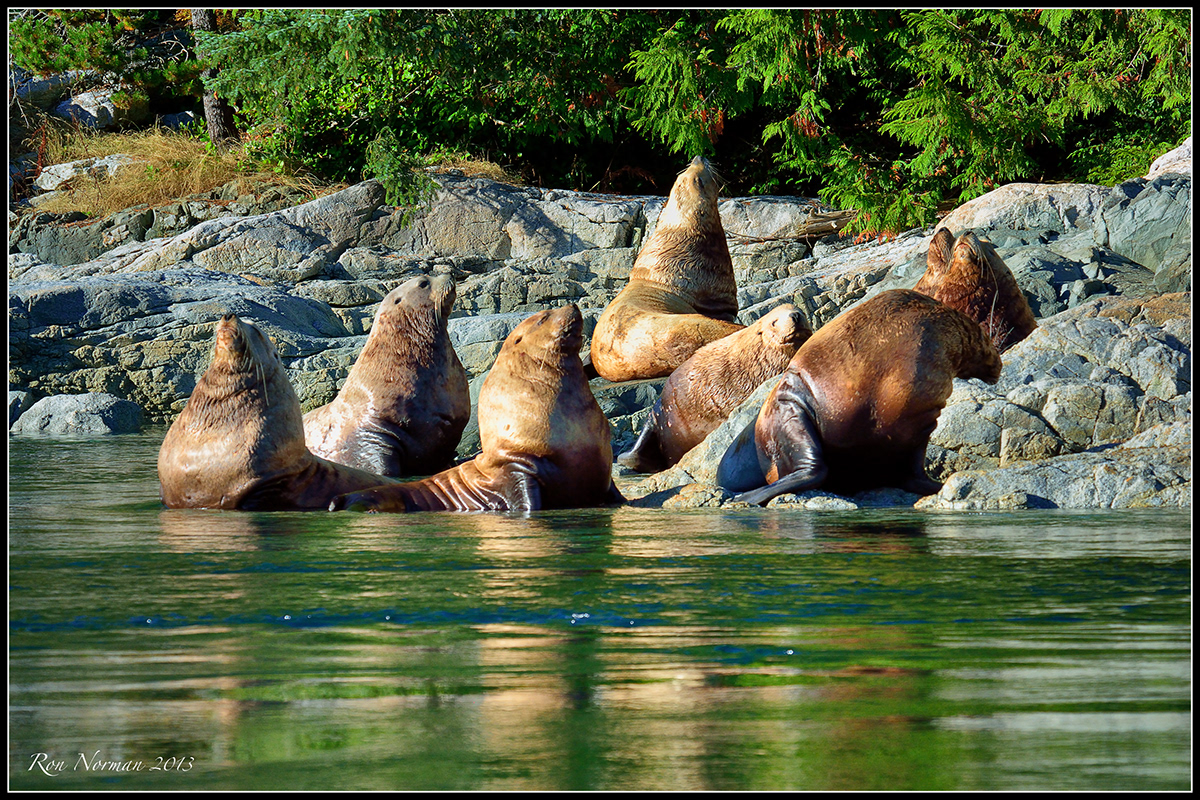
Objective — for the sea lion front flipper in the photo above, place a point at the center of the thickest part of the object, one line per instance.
(795, 482)
(646, 455)
(517, 483)
(793, 451)
(274, 494)
(739, 469)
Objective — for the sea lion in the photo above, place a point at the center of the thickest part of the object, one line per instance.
(859, 400)
(681, 293)
(239, 441)
(702, 392)
(405, 403)
(968, 274)
(545, 443)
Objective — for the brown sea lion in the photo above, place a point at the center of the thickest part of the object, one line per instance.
(239, 442)
(405, 403)
(858, 402)
(545, 442)
(681, 293)
(702, 392)
(968, 274)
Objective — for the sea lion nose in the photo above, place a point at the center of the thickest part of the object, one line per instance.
(227, 318)
(698, 161)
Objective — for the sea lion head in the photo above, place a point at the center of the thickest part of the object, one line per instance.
(693, 199)
(412, 316)
(970, 255)
(555, 332)
(785, 326)
(423, 295)
(242, 357)
(938, 257)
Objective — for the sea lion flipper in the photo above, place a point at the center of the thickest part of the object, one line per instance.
(270, 495)
(647, 455)
(795, 453)
(383, 498)
(517, 483)
(797, 481)
(739, 469)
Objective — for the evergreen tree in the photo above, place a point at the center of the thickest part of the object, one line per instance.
(218, 114)
(131, 48)
(892, 113)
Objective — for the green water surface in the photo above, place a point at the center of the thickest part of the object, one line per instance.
(587, 650)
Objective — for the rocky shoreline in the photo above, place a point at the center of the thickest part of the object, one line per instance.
(1093, 410)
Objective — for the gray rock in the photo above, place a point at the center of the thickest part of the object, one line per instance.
(79, 415)
(18, 403)
(769, 217)
(149, 336)
(1177, 161)
(55, 175)
(1071, 345)
(96, 109)
(291, 245)
(60, 239)
(1063, 207)
(44, 92)
(1175, 271)
(1143, 219)
(1121, 477)
(177, 120)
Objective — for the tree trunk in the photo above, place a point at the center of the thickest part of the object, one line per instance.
(217, 113)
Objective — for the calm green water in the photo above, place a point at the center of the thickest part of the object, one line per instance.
(623, 649)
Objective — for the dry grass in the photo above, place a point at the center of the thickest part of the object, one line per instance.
(472, 167)
(170, 165)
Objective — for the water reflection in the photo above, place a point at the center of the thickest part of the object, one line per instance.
(828, 532)
(603, 649)
(196, 530)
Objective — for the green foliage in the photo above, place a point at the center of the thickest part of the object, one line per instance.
(895, 113)
(892, 113)
(397, 170)
(683, 96)
(319, 85)
(992, 87)
(110, 42)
